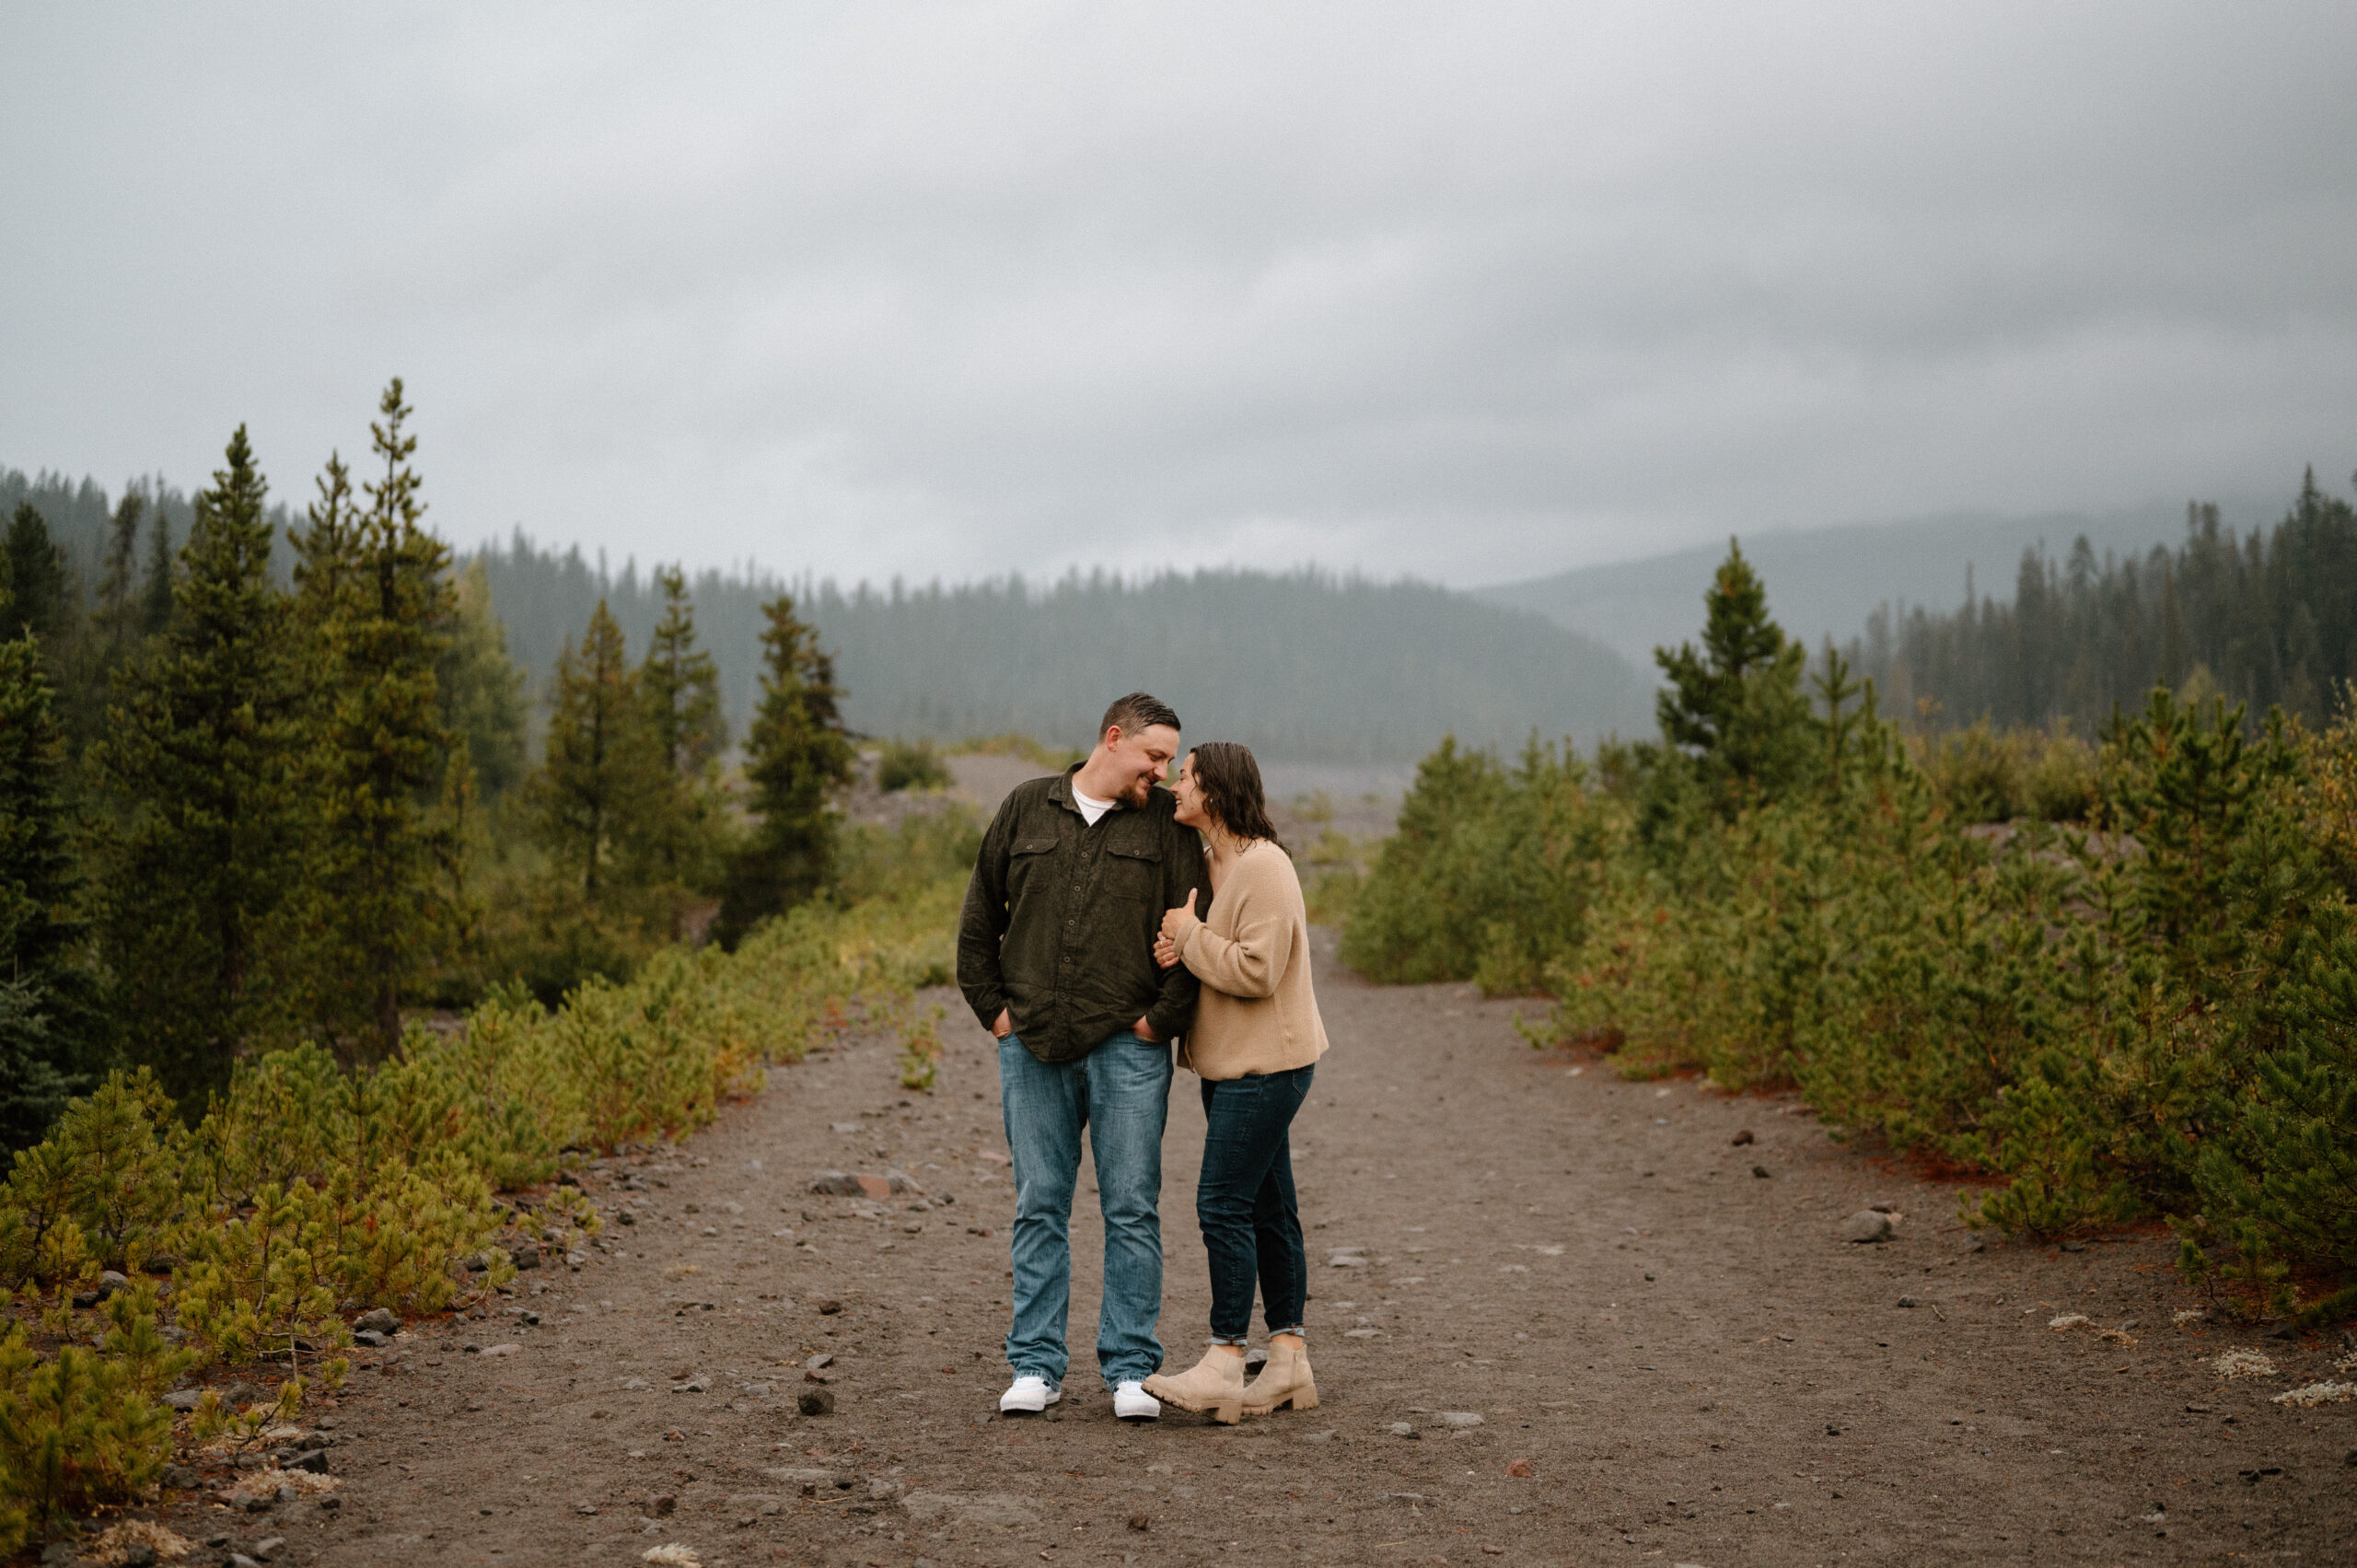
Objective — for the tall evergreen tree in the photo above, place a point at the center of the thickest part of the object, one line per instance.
(49, 1023)
(679, 687)
(201, 753)
(116, 618)
(39, 582)
(373, 591)
(482, 687)
(597, 763)
(156, 588)
(1736, 705)
(797, 757)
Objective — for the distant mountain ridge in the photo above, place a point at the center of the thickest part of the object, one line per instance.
(1826, 581)
(1304, 666)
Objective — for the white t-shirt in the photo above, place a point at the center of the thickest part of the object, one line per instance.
(1090, 807)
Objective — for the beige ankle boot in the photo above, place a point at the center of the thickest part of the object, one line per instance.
(1285, 1381)
(1213, 1384)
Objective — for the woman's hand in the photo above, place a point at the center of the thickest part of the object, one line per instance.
(1166, 953)
(1176, 921)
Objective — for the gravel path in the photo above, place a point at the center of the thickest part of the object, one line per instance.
(1581, 1329)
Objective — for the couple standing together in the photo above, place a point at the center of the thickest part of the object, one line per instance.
(1106, 919)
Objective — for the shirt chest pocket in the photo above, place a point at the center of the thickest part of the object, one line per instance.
(1030, 866)
(1133, 872)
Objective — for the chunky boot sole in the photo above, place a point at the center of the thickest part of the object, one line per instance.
(1302, 1398)
(1227, 1413)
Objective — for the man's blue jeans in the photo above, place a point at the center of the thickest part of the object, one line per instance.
(1120, 1092)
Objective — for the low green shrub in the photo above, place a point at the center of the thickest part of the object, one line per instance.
(911, 764)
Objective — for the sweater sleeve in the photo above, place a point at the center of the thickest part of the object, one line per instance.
(1252, 963)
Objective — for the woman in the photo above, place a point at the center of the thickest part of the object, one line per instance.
(1255, 1041)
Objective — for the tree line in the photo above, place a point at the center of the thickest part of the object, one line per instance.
(270, 783)
(2265, 621)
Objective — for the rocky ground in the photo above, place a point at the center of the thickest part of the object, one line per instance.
(1557, 1319)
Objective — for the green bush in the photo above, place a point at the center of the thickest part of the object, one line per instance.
(1488, 875)
(911, 764)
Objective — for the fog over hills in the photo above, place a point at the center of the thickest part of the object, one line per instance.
(1826, 581)
(1304, 667)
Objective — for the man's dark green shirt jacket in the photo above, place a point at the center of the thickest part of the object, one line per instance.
(1061, 918)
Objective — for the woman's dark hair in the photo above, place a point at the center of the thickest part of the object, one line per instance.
(1230, 781)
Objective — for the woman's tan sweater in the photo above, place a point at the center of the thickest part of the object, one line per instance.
(1257, 1013)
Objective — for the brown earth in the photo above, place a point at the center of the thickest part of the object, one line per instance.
(1687, 1362)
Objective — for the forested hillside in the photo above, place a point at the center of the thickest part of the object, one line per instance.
(1303, 665)
(2265, 619)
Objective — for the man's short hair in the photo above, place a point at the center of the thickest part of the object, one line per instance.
(1136, 712)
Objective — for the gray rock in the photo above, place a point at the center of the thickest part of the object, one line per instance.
(1460, 1418)
(314, 1461)
(815, 1401)
(1760, 1171)
(1865, 1225)
(802, 1479)
(756, 1505)
(183, 1399)
(381, 1321)
(882, 1491)
(269, 1546)
(526, 1254)
(1883, 1206)
(1909, 1301)
(1401, 1429)
(242, 1394)
(823, 1358)
(996, 1508)
(369, 1338)
(239, 1560)
(693, 1386)
(836, 1184)
(110, 1281)
(60, 1552)
(138, 1554)
(182, 1478)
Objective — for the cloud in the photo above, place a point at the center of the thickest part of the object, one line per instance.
(954, 290)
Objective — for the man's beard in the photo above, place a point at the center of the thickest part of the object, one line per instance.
(1141, 792)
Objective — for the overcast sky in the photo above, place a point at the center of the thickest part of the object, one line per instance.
(1472, 291)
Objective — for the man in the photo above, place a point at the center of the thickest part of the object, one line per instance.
(1055, 954)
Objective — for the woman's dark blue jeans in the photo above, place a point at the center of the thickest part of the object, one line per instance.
(1245, 1203)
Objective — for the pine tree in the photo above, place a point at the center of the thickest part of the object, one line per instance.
(201, 754)
(116, 619)
(597, 763)
(482, 687)
(155, 590)
(49, 1022)
(679, 687)
(373, 594)
(39, 582)
(1736, 705)
(797, 756)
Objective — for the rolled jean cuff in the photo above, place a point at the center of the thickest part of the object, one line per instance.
(1238, 1340)
(1297, 1332)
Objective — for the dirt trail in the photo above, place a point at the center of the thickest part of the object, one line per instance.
(1694, 1369)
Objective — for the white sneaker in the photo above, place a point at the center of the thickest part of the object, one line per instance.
(1027, 1396)
(1132, 1402)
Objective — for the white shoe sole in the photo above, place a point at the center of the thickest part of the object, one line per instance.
(1009, 1403)
(1152, 1410)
